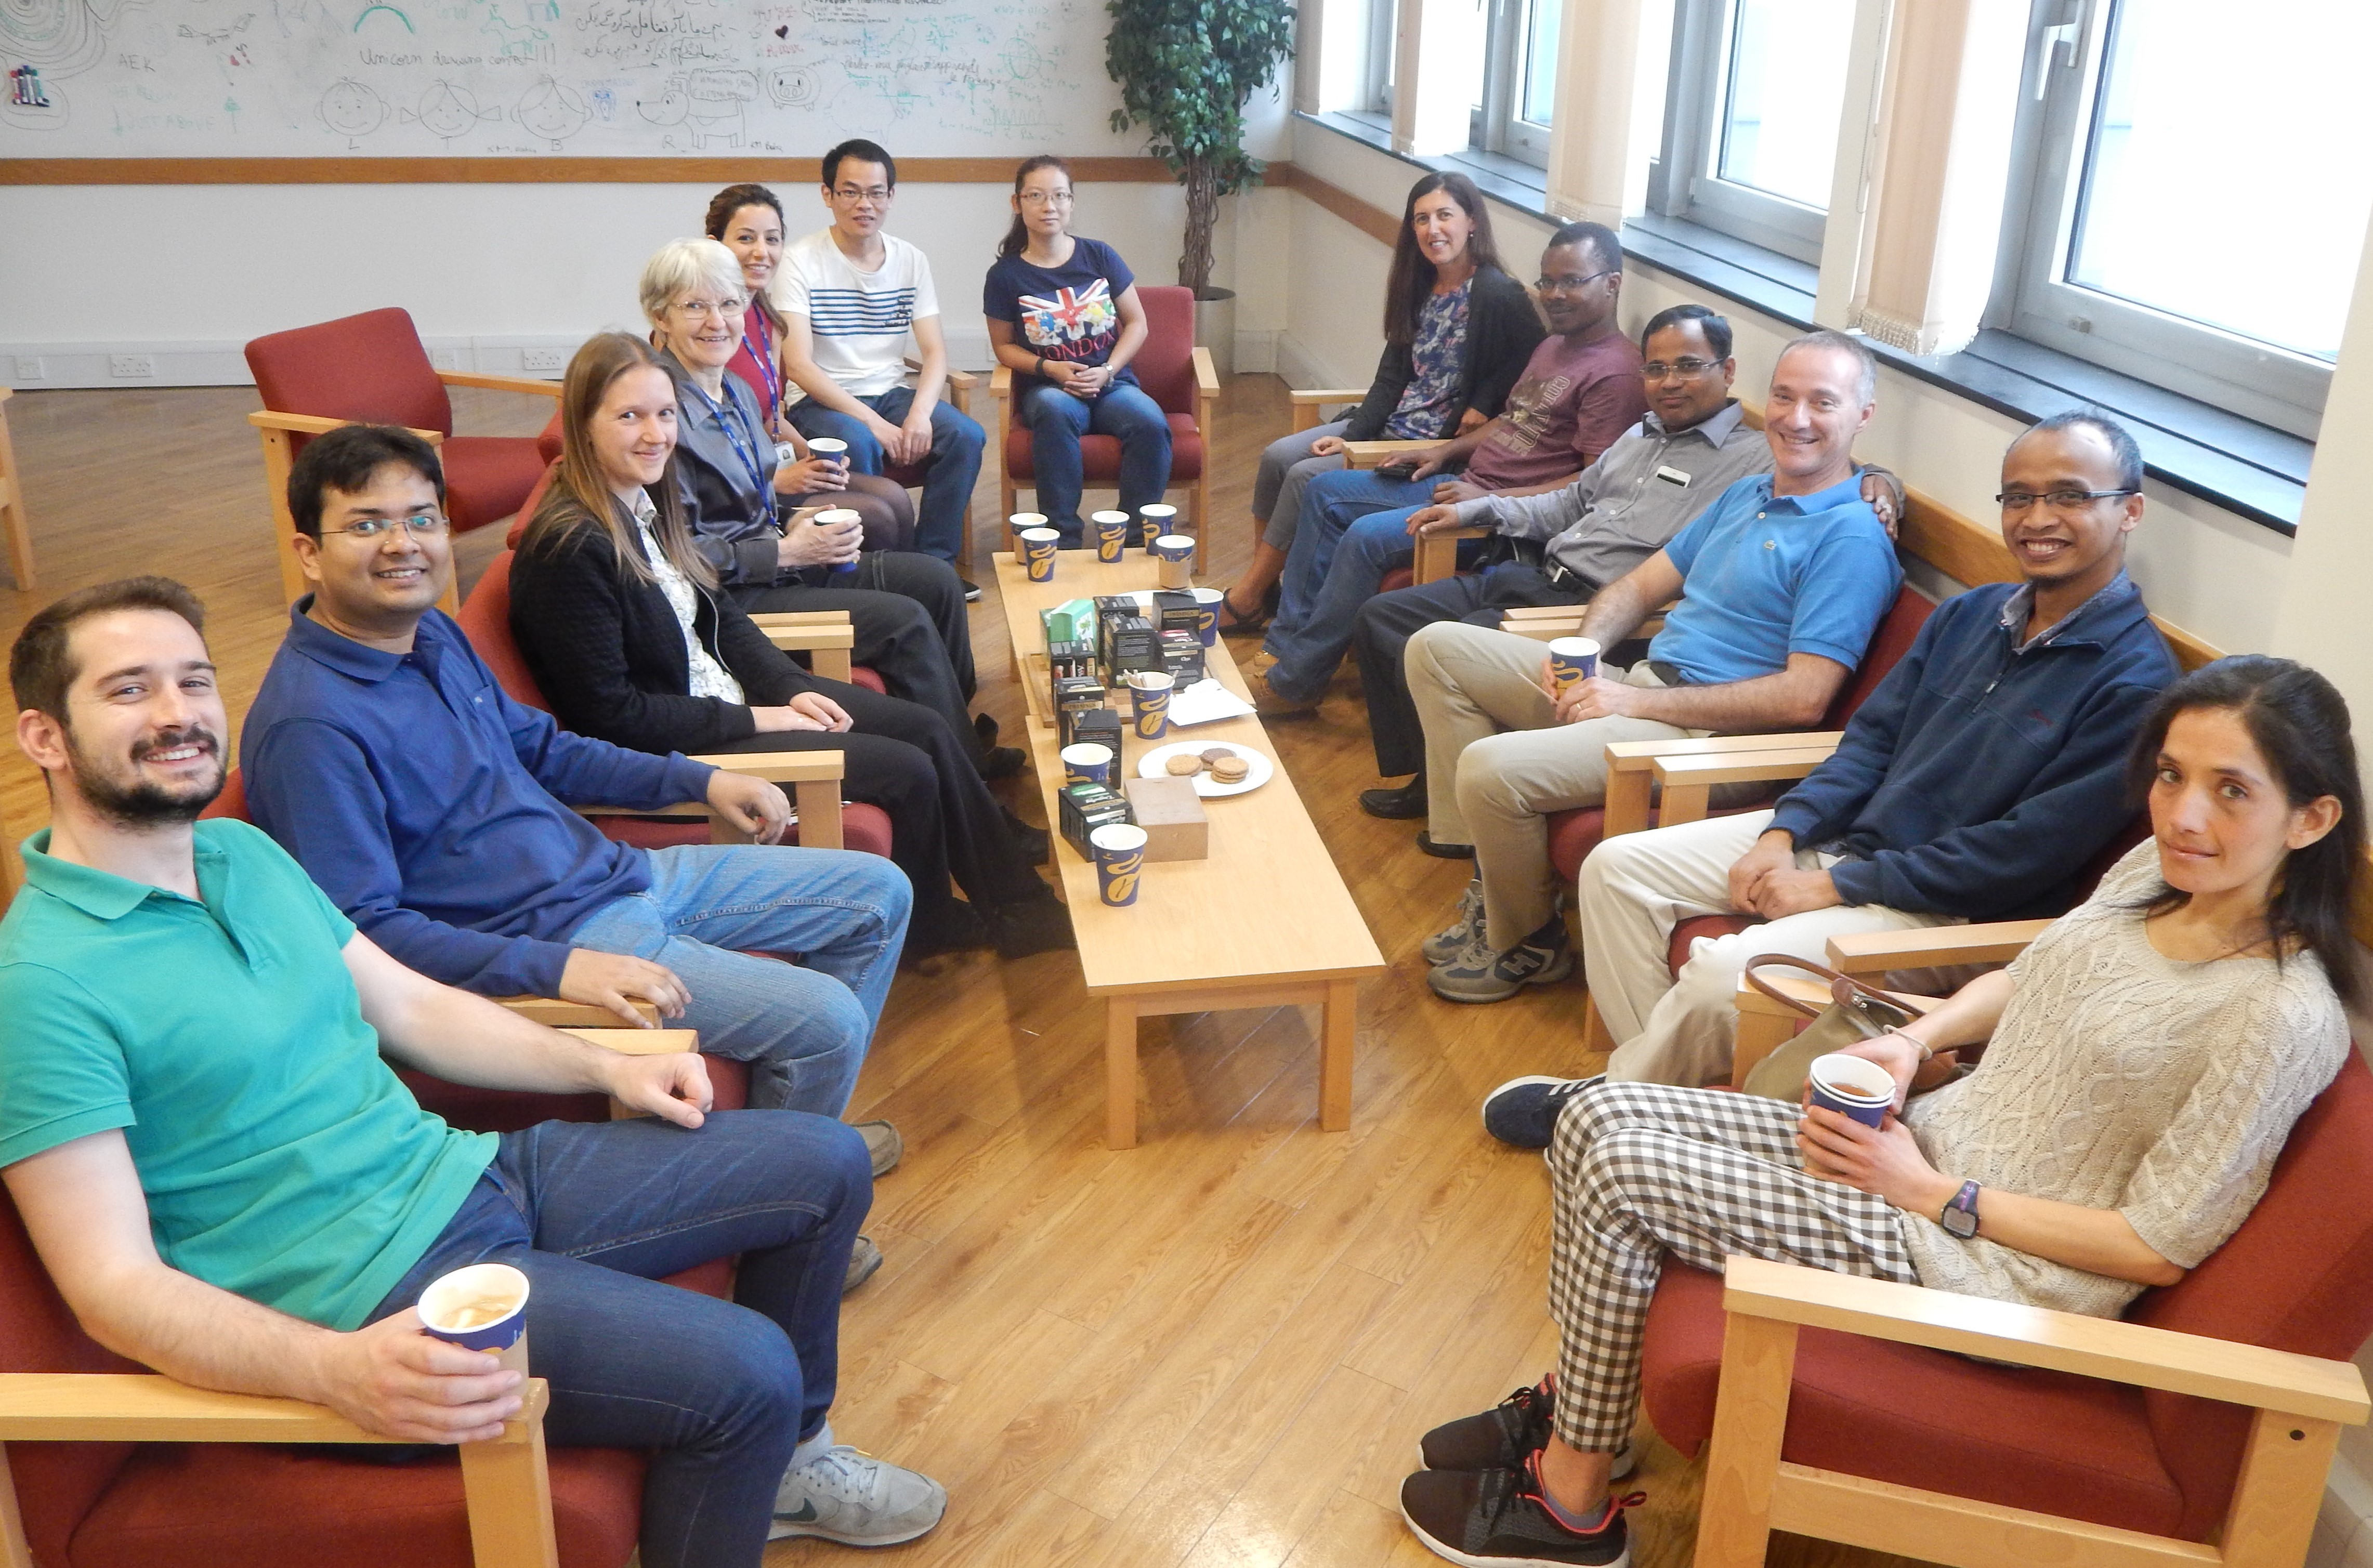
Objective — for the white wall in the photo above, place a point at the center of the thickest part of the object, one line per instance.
(2218, 575)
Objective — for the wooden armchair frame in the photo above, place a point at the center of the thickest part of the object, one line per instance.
(815, 779)
(1207, 399)
(1309, 407)
(2302, 1403)
(280, 455)
(825, 636)
(14, 524)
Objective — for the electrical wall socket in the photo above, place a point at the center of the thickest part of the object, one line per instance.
(543, 360)
(131, 367)
(30, 369)
(444, 359)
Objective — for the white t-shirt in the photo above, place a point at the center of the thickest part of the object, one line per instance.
(861, 323)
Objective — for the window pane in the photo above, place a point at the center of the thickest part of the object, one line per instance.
(2265, 116)
(1539, 102)
(1785, 88)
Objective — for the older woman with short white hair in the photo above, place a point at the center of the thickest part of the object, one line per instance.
(907, 609)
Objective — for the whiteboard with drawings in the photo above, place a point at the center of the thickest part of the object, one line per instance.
(245, 78)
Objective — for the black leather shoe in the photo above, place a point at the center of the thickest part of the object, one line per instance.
(984, 726)
(1030, 925)
(1002, 762)
(1395, 805)
(1444, 851)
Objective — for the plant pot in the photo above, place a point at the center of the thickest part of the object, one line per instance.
(1215, 328)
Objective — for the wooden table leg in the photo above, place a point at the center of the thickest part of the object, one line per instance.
(1337, 1036)
(1120, 1072)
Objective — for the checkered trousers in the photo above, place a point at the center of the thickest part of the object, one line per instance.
(1638, 1170)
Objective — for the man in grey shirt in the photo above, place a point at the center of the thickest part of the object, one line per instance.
(1559, 548)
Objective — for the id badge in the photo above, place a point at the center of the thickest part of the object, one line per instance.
(1674, 477)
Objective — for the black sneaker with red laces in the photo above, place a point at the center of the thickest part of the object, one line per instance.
(1497, 1519)
(1503, 1437)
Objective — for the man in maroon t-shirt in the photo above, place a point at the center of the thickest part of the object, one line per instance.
(1580, 390)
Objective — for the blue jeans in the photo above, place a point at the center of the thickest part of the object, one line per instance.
(949, 471)
(802, 1027)
(1370, 547)
(1330, 504)
(1058, 420)
(722, 1392)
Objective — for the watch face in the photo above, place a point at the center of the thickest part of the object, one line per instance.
(1960, 1223)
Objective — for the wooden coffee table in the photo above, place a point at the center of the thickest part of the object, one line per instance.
(1264, 921)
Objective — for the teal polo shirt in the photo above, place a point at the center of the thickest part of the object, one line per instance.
(282, 1159)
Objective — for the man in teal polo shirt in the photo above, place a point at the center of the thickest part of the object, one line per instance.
(202, 1129)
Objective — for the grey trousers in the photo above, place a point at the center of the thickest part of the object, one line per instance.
(1286, 470)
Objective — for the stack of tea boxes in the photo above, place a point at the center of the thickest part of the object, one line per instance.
(1093, 645)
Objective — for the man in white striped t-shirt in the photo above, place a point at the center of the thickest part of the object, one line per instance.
(855, 298)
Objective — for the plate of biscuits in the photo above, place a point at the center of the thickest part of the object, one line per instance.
(1216, 769)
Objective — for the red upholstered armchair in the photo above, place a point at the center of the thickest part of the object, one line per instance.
(2206, 1417)
(1175, 372)
(373, 369)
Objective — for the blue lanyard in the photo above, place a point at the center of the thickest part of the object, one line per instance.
(741, 448)
(764, 353)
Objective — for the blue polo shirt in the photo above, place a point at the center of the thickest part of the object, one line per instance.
(434, 810)
(282, 1158)
(1766, 577)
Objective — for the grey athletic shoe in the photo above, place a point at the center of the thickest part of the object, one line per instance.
(864, 1261)
(848, 1496)
(883, 1145)
(1446, 945)
(1481, 975)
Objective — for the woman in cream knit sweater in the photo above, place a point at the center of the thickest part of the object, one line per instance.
(2146, 1057)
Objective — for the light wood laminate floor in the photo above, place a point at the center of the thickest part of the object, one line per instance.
(1218, 1349)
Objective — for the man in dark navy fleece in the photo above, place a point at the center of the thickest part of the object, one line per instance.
(1975, 784)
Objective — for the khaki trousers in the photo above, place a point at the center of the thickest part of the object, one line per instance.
(1490, 728)
(1636, 888)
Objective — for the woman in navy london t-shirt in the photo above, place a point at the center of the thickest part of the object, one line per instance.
(1064, 316)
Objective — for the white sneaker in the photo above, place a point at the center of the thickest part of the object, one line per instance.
(848, 1496)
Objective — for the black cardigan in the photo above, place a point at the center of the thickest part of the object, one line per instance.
(1503, 330)
(609, 652)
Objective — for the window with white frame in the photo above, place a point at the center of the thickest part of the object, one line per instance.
(1520, 63)
(1376, 94)
(1751, 118)
(2155, 127)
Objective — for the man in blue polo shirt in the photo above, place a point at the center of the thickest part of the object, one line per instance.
(1781, 581)
(429, 806)
(202, 1128)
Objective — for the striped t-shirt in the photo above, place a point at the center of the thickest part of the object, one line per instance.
(860, 322)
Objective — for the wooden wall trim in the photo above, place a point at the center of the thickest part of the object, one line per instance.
(531, 170)
(1372, 221)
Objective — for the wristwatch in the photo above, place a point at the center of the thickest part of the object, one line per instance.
(1960, 1216)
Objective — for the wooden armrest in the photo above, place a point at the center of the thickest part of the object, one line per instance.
(1541, 612)
(1207, 375)
(554, 1013)
(1709, 768)
(1370, 454)
(1641, 757)
(500, 383)
(1813, 993)
(639, 1041)
(962, 381)
(1000, 382)
(1541, 629)
(77, 1407)
(794, 618)
(1875, 953)
(1437, 553)
(1320, 395)
(826, 634)
(781, 767)
(2063, 1341)
(318, 425)
(808, 637)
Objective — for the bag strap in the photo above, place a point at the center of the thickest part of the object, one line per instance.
(1844, 988)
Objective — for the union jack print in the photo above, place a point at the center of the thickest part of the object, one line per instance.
(1074, 319)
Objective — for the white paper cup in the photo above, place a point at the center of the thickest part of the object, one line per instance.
(1015, 524)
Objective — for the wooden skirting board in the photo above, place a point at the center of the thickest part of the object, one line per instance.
(534, 170)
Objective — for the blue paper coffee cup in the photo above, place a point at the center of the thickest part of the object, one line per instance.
(1851, 1086)
(1087, 763)
(1038, 552)
(1572, 659)
(1120, 860)
(1149, 703)
(1207, 614)
(840, 517)
(482, 1307)
(1111, 534)
(1154, 521)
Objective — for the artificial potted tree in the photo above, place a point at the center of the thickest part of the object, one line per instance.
(1187, 68)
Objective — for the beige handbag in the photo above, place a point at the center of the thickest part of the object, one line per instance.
(1856, 1013)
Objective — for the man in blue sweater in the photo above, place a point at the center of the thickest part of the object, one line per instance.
(433, 811)
(1976, 783)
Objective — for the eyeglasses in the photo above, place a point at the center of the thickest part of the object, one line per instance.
(1046, 198)
(1687, 369)
(2058, 500)
(1568, 284)
(421, 525)
(720, 309)
(877, 194)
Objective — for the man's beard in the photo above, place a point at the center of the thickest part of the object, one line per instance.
(143, 804)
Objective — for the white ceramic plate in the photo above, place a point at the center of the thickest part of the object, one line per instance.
(1152, 766)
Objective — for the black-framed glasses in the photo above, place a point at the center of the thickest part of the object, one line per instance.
(2058, 500)
(420, 525)
(1687, 369)
(877, 194)
(1568, 284)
